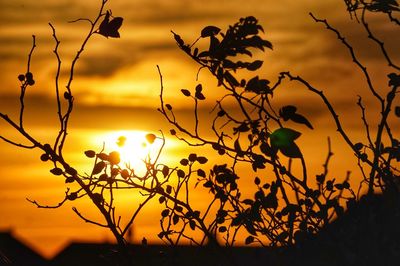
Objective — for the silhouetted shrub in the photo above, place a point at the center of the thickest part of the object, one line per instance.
(287, 207)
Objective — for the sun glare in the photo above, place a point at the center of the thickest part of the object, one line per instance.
(134, 146)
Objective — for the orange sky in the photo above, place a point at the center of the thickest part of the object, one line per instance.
(117, 86)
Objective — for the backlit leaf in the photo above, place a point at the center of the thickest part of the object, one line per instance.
(209, 31)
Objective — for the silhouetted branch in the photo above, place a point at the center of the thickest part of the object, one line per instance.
(50, 206)
(380, 43)
(354, 57)
(88, 220)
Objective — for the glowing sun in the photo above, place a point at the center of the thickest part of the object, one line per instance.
(134, 146)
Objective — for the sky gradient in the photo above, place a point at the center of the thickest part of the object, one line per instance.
(117, 88)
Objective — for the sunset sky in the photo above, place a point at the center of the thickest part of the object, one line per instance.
(117, 88)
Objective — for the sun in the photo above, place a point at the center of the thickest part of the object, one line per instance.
(134, 147)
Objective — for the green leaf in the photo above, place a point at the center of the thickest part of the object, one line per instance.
(283, 139)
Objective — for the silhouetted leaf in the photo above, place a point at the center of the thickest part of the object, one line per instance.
(231, 79)
(161, 199)
(257, 181)
(175, 219)
(29, 79)
(249, 240)
(44, 157)
(71, 171)
(209, 31)
(185, 92)
(57, 171)
(200, 96)
(192, 157)
(320, 178)
(385, 6)
(195, 52)
(291, 150)
(259, 86)
(168, 189)
(221, 113)
(69, 179)
(192, 224)
(255, 65)
(289, 112)
(339, 186)
(67, 96)
(222, 229)
(184, 162)
(301, 120)
(98, 168)
(21, 77)
(178, 39)
(204, 54)
(394, 80)
(270, 201)
(72, 196)
(109, 28)
(266, 149)
(180, 173)
(397, 111)
(238, 149)
(199, 88)
(201, 173)
(168, 106)
(97, 198)
(242, 128)
(124, 173)
(202, 159)
(165, 213)
(358, 146)
(165, 170)
(329, 185)
(102, 156)
(208, 184)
